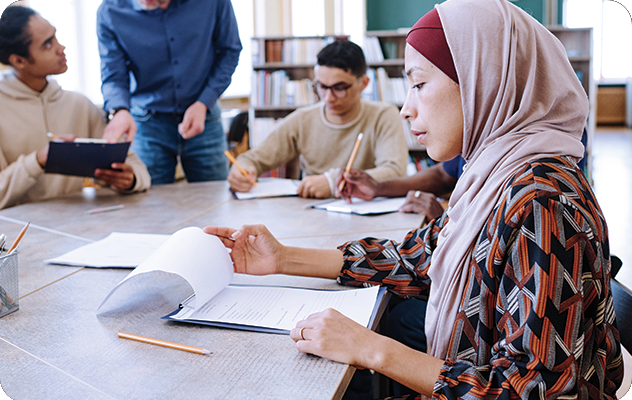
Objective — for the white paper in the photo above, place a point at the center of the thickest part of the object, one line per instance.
(280, 307)
(270, 187)
(118, 250)
(379, 205)
(201, 259)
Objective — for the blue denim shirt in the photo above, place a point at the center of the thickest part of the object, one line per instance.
(165, 60)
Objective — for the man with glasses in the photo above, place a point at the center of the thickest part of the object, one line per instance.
(323, 135)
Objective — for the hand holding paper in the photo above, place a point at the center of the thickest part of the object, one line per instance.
(203, 261)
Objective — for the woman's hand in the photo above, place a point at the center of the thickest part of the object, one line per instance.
(331, 335)
(422, 203)
(254, 250)
(359, 184)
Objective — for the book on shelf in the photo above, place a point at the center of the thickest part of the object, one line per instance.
(275, 89)
(382, 87)
(297, 50)
(260, 129)
(372, 50)
(274, 50)
(204, 263)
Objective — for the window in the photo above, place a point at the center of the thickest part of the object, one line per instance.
(75, 21)
(612, 31)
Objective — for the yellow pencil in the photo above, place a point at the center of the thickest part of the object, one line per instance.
(163, 343)
(243, 171)
(17, 239)
(350, 163)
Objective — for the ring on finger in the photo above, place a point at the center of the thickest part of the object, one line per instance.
(417, 193)
(302, 337)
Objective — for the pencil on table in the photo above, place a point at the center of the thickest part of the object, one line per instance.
(17, 240)
(351, 159)
(243, 171)
(163, 343)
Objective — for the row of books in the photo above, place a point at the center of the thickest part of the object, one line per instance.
(384, 88)
(275, 89)
(372, 50)
(288, 51)
(259, 130)
(376, 51)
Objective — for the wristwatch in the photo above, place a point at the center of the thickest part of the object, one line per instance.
(113, 111)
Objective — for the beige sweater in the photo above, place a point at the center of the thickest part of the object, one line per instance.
(325, 148)
(26, 116)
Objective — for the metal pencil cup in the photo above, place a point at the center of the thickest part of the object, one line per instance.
(8, 283)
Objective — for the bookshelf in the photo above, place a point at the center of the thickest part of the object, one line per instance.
(578, 43)
(384, 51)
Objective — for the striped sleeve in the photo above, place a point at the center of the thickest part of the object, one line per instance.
(401, 267)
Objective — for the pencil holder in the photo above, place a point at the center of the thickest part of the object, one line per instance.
(8, 283)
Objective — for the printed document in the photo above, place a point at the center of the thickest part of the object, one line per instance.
(204, 262)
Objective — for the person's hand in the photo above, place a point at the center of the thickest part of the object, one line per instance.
(422, 203)
(331, 335)
(121, 176)
(42, 154)
(359, 184)
(121, 125)
(238, 182)
(194, 119)
(254, 250)
(314, 186)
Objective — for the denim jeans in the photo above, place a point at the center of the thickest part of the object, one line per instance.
(159, 145)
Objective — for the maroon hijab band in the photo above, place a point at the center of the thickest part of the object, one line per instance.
(427, 37)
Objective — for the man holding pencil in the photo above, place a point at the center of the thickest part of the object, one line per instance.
(324, 135)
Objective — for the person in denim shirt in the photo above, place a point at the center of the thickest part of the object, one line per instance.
(164, 64)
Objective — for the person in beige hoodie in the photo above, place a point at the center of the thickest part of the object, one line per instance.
(32, 105)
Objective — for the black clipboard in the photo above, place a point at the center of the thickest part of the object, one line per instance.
(82, 158)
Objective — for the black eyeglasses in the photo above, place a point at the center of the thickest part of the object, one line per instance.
(338, 90)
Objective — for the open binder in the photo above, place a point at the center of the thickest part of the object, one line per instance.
(204, 262)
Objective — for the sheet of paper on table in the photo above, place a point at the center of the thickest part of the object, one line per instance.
(118, 250)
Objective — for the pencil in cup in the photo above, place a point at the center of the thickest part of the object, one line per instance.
(19, 238)
(243, 171)
(351, 159)
(163, 343)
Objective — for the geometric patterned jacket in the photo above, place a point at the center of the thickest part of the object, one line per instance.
(536, 320)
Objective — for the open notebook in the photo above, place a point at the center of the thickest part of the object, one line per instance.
(269, 187)
(379, 205)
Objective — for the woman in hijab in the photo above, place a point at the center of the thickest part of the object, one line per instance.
(516, 271)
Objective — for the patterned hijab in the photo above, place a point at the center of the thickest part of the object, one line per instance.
(521, 101)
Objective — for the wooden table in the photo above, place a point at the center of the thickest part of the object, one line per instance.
(57, 347)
